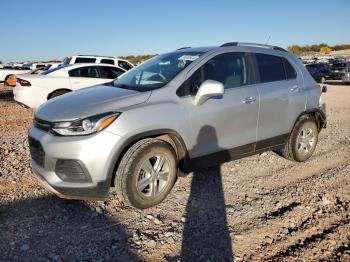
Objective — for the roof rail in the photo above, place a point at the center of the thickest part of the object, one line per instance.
(183, 48)
(97, 56)
(253, 44)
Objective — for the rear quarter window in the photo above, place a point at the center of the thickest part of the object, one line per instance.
(124, 65)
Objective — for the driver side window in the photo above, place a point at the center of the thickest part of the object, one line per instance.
(230, 69)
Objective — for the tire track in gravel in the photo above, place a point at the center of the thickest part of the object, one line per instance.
(304, 220)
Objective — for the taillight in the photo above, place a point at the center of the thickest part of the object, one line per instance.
(11, 80)
(23, 82)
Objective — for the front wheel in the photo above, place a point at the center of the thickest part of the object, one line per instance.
(146, 173)
(302, 141)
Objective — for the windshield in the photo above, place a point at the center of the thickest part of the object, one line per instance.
(46, 72)
(66, 61)
(156, 72)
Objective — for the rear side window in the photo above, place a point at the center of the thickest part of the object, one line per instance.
(84, 60)
(88, 71)
(107, 61)
(270, 67)
(110, 72)
(40, 66)
(290, 71)
(124, 65)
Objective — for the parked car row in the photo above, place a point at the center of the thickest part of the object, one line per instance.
(323, 71)
(7, 72)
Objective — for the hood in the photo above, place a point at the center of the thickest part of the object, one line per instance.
(88, 102)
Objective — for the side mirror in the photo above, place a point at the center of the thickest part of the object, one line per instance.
(208, 89)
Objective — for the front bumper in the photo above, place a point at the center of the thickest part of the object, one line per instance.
(323, 115)
(344, 77)
(95, 153)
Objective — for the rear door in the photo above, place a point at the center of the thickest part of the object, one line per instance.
(281, 98)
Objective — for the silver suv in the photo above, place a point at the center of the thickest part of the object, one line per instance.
(178, 112)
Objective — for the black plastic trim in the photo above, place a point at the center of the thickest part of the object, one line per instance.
(220, 157)
(270, 142)
(320, 112)
(237, 152)
(99, 192)
(186, 47)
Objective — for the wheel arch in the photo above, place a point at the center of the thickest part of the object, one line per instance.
(317, 114)
(60, 89)
(168, 135)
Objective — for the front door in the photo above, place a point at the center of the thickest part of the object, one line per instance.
(226, 124)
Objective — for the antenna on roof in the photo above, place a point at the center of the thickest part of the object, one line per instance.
(268, 40)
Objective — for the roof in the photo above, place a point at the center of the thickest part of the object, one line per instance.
(231, 44)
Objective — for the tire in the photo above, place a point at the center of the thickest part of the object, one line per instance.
(131, 172)
(302, 141)
(58, 93)
(5, 81)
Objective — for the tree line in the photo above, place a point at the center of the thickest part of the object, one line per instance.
(323, 48)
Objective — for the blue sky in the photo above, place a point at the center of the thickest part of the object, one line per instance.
(42, 29)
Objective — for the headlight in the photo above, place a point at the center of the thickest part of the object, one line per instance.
(85, 126)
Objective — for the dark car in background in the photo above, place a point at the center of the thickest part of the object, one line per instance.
(320, 71)
(340, 71)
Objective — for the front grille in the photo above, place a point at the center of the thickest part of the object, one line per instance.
(36, 151)
(42, 124)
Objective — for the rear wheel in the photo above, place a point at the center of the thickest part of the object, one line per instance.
(302, 141)
(58, 93)
(146, 173)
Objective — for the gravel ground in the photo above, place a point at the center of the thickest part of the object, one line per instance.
(258, 208)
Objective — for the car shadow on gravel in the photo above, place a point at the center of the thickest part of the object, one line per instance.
(6, 95)
(49, 228)
(206, 234)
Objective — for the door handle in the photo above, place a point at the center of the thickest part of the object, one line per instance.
(294, 88)
(249, 100)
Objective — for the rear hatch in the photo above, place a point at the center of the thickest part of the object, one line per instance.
(338, 70)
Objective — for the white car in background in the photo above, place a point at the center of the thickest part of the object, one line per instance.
(8, 75)
(76, 59)
(33, 90)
